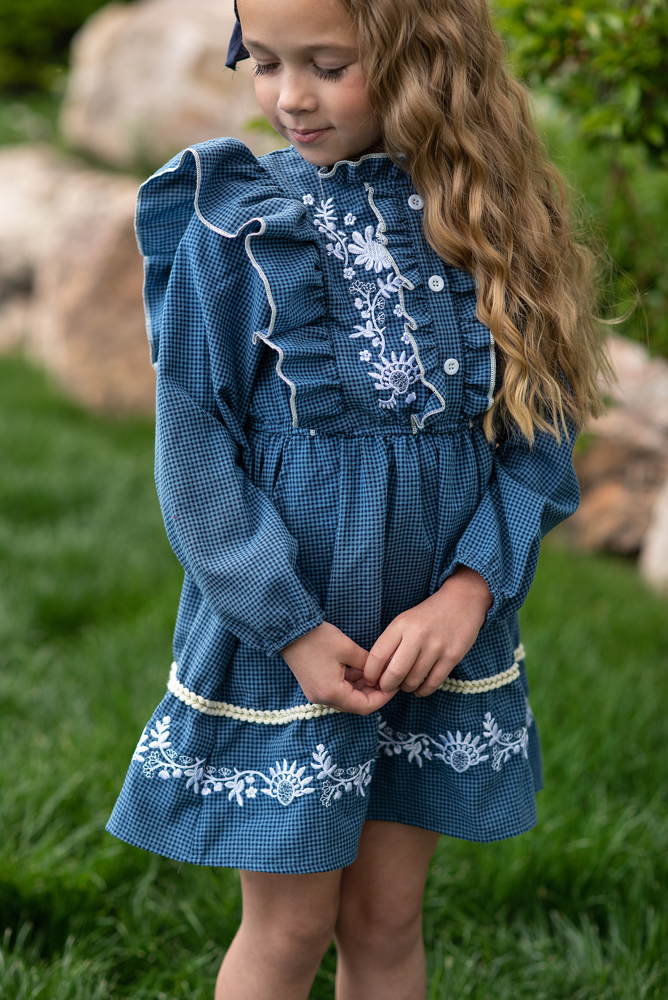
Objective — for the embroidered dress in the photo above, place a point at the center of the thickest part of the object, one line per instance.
(321, 383)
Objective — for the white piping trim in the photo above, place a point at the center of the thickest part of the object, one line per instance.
(265, 338)
(283, 716)
(492, 377)
(352, 163)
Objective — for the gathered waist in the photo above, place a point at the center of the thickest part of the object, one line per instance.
(254, 426)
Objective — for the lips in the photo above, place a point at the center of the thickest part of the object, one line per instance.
(308, 135)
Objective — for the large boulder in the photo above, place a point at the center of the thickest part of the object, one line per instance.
(71, 277)
(148, 78)
(622, 463)
(88, 323)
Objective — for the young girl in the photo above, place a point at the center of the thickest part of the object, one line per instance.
(373, 352)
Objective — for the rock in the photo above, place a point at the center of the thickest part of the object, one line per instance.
(31, 178)
(88, 322)
(619, 486)
(654, 555)
(71, 277)
(148, 78)
(624, 462)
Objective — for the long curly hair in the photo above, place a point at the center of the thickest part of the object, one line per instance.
(454, 116)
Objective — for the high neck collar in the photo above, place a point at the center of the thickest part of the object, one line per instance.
(369, 167)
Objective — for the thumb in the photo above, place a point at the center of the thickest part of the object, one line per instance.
(353, 655)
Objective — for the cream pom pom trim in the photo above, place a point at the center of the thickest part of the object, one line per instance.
(283, 716)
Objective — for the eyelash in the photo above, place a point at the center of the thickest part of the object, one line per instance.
(323, 74)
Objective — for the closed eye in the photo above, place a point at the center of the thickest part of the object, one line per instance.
(261, 68)
(329, 74)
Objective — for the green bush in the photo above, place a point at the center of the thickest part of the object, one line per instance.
(605, 64)
(35, 38)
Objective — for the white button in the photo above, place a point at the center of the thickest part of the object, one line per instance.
(312, 432)
(451, 366)
(415, 202)
(436, 283)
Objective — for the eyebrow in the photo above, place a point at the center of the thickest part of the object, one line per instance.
(305, 48)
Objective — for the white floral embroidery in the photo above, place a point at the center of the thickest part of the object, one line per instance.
(308, 199)
(337, 780)
(285, 783)
(369, 252)
(460, 752)
(395, 373)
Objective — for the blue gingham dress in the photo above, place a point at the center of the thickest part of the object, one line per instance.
(321, 383)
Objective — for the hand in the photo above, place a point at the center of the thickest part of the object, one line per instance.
(418, 650)
(330, 670)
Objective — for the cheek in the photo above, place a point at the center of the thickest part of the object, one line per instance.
(267, 96)
(354, 105)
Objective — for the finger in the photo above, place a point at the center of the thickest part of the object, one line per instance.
(381, 651)
(441, 669)
(418, 672)
(363, 702)
(360, 699)
(352, 675)
(353, 655)
(399, 666)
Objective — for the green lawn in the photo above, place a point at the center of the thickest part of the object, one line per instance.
(88, 591)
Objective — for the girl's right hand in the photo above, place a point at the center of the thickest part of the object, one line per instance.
(330, 670)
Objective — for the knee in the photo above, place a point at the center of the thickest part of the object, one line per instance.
(298, 938)
(389, 930)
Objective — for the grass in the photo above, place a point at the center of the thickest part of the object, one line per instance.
(88, 591)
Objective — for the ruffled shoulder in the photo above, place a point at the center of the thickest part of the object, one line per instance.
(216, 210)
(479, 351)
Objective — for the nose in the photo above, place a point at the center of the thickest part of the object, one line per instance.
(295, 96)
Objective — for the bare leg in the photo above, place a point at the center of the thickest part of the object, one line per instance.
(288, 922)
(379, 929)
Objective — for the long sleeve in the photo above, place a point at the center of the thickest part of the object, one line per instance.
(531, 490)
(204, 306)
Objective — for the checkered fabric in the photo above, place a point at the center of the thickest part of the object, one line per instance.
(321, 382)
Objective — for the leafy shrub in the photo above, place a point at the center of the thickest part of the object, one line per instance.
(35, 37)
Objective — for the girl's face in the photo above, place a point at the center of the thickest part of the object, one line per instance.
(308, 77)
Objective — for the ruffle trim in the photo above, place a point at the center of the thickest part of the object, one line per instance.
(479, 352)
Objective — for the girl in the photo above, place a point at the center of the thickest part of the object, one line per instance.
(373, 352)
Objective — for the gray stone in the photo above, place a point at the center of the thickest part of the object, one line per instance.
(149, 78)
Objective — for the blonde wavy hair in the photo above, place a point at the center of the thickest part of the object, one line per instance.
(453, 116)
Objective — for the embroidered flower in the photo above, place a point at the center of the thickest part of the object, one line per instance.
(308, 199)
(285, 783)
(369, 252)
(336, 781)
(396, 376)
(462, 753)
(459, 752)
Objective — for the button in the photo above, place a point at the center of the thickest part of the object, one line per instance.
(451, 366)
(436, 283)
(312, 432)
(415, 202)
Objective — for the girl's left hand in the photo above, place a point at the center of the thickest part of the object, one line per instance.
(418, 650)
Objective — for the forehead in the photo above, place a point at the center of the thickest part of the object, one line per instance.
(312, 24)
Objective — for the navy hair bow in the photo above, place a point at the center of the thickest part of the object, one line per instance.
(237, 50)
